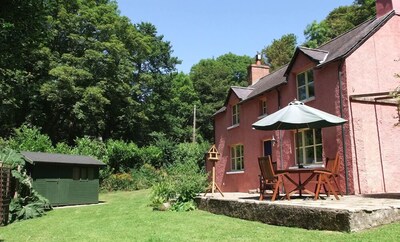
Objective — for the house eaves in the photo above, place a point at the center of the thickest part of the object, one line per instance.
(267, 83)
(240, 92)
(345, 44)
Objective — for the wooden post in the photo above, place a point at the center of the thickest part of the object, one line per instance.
(213, 157)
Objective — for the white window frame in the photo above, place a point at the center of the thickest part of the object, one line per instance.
(237, 157)
(302, 145)
(263, 107)
(307, 84)
(235, 114)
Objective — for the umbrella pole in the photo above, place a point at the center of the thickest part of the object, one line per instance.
(298, 150)
(298, 159)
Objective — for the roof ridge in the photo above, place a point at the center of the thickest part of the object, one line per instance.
(319, 50)
(371, 19)
(240, 87)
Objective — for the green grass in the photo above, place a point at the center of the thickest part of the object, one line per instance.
(126, 216)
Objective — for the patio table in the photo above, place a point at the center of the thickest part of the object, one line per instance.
(300, 186)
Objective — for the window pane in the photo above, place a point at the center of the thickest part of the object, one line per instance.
(301, 80)
(310, 76)
(91, 173)
(318, 136)
(301, 159)
(310, 155)
(302, 93)
(240, 164)
(318, 149)
(75, 173)
(309, 139)
(299, 139)
(84, 173)
(311, 92)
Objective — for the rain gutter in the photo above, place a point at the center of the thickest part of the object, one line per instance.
(346, 172)
(280, 134)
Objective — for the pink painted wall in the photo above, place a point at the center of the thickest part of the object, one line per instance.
(326, 82)
(374, 148)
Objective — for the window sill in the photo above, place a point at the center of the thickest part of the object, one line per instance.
(307, 99)
(234, 172)
(233, 126)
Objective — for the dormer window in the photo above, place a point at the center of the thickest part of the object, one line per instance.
(235, 114)
(305, 85)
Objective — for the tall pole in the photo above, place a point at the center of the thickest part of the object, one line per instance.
(194, 125)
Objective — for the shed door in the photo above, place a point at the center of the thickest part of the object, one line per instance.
(52, 191)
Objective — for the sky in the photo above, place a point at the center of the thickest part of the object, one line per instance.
(210, 28)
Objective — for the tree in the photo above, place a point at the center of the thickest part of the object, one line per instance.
(86, 69)
(23, 29)
(338, 21)
(211, 80)
(280, 51)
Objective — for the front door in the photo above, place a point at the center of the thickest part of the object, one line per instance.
(267, 148)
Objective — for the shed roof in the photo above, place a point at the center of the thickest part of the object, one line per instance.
(40, 157)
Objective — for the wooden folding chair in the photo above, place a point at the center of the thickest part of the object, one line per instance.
(269, 179)
(328, 178)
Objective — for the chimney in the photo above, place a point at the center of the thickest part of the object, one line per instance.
(257, 70)
(385, 6)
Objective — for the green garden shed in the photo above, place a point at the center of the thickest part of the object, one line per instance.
(64, 179)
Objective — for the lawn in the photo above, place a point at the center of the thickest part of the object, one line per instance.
(126, 216)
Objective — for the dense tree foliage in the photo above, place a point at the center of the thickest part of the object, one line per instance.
(338, 21)
(280, 51)
(211, 80)
(77, 68)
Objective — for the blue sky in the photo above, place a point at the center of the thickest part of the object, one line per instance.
(210, 28)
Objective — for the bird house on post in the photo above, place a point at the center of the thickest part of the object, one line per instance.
(213, 156)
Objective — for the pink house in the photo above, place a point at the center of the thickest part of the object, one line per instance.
(350, 77)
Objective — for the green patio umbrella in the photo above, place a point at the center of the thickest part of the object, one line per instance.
(297, 116)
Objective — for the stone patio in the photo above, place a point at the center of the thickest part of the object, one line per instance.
(349, 214)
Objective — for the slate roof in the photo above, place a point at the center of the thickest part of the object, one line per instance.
(242, 92)
(338, 48)
(268, 82)
(40, 157)
(345, 44)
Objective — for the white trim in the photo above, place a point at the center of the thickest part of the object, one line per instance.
(234, 172)
(308, 99)
(233, 126)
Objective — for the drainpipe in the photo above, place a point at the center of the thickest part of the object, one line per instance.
(346, 172)
(279, 131)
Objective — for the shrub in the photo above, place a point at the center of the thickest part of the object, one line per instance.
(30, 139)
(27, 203)
(91, 147)
(151, 155)
(184, 180)
(118, 182)
(122, 156)
(146, 176)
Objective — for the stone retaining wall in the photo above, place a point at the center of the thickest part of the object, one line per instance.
(306, 217)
